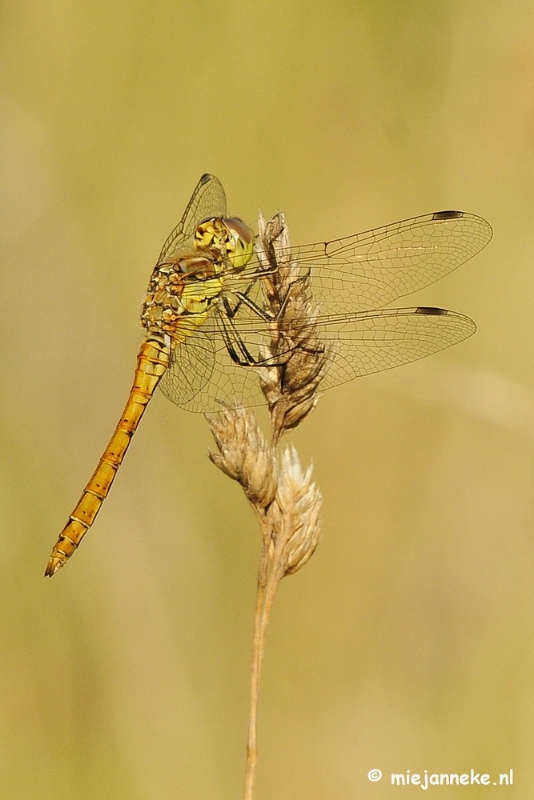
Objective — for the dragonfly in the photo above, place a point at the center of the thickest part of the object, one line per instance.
(204, 317)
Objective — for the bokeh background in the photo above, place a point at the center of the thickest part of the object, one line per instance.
(406, 643)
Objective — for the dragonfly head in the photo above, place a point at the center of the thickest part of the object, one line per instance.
(229, 234)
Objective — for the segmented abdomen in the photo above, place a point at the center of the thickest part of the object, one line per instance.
(152, 361)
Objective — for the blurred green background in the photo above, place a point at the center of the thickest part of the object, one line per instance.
(406, 643)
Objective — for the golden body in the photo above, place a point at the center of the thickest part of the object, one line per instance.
(182, 291)
(209, 329)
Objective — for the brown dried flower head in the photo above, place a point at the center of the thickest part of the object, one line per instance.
(287, 503)
(244, 454)
(283, 496)
(296, 511)
(297, 356)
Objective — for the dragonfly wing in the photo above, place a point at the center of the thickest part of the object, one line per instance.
(190, 369)
(361, 344)
(208, 200)
(202, 375)
(368, 270)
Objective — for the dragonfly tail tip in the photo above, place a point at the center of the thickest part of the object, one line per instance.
(53, 566)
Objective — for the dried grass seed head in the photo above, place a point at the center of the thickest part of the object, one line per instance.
(296, 358)
(244, 454)
(298, 506)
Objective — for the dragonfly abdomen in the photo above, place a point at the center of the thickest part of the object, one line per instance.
(152, 362)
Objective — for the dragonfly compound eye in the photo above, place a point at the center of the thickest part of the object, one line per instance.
(228, 234)
(239, 243)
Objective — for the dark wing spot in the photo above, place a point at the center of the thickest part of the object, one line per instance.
(447, 214)
(205, 178)
(429, 311)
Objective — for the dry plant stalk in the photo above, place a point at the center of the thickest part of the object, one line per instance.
(283, 496)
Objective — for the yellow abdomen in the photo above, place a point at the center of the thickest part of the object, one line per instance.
(152, 361)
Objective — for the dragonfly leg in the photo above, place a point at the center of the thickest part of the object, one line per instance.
(240, 354)
(243, 298)
(263, 313)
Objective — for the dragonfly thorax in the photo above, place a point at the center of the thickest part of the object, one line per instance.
(181, 294)
(186, 286)
(227, 235)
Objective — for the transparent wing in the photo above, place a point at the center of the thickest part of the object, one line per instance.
(191, 369)
(378, 340)
(371, 269)
(202, 374)
(208, 200)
